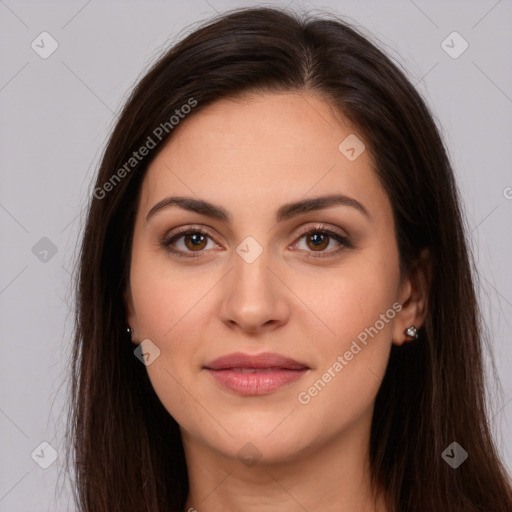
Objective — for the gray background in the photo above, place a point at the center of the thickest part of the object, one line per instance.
(56, 116)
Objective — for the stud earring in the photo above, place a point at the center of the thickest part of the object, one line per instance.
(129, 330)
(412, 332)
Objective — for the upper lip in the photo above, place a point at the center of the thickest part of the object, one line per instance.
(264, 360)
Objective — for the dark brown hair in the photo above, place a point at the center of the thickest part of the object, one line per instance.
(126, 448)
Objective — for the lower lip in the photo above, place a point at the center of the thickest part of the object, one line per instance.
(258, 383)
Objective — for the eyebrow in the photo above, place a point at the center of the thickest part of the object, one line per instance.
(285, 212)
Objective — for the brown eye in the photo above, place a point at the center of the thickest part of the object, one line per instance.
(187, 241)
(317, 241)
(195, 241)
(192, 242)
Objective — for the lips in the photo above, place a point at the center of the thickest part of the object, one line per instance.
(258, 374)
(264, 361)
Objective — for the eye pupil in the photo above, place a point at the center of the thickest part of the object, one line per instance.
(196, 239)
(318, 240)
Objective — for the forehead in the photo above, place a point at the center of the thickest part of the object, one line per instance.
(257, 150)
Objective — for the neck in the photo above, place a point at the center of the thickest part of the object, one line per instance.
(333, 477)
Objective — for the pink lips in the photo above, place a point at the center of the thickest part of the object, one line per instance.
(255, 375)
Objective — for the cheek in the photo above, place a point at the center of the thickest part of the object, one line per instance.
(163, 294)
(170, 307)
(352, 361)
(347, 300)
(356, 306)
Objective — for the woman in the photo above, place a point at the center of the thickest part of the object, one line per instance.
(276, 228)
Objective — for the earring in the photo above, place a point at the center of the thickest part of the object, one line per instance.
(129, 330)
(412, 332)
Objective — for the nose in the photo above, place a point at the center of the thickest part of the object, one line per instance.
(255, 299)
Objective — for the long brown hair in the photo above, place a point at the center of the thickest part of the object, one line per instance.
(126, 448)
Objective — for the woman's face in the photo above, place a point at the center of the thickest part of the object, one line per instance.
(254, 282)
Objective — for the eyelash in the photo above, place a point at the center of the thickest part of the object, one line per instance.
(167, 241)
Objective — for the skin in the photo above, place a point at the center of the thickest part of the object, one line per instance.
(250, 156)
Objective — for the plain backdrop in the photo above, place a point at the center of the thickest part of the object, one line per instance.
(56, 114)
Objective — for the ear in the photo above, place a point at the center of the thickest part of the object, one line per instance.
(131, 319)
(413, 297)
